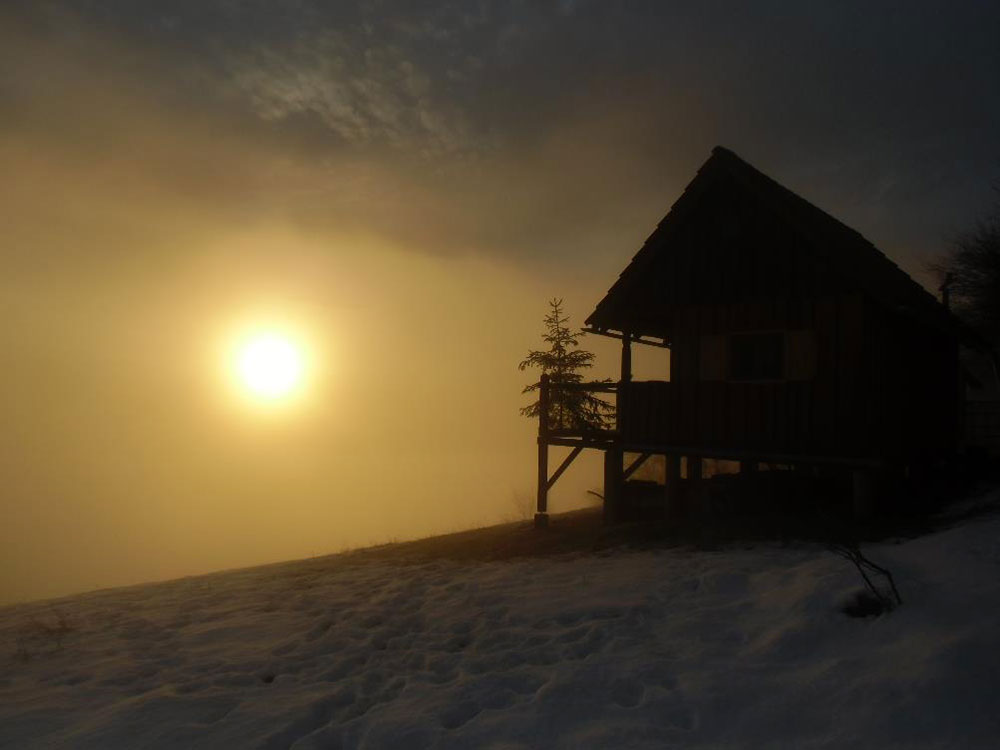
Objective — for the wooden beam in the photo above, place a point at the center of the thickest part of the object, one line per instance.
(637, 339)
(583, 434)
(563, 466)
(595, 386)
(635, 465)
(603, 441)
(738, 455)
(569, 442)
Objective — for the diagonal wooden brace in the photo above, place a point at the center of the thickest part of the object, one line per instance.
(563, 466)
(635, 465)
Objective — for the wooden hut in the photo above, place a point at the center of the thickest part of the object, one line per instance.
(792, 339)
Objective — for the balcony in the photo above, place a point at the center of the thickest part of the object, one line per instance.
(723, 419)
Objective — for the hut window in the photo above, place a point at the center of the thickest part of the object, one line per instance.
(757, 356)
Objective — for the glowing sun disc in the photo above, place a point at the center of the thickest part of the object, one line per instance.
(270, 366)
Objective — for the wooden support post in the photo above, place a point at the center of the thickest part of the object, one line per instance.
(621, 395)
(612, 484)
(626, 357)
(694, 489)
(694, 468)
(672, 486)
(748, 467)
(542, 508)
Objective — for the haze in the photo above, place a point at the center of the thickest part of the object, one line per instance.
(404, 185)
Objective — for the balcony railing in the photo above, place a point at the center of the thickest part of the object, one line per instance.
(558, 419)
(778, 419)
(715, 416)
(725, 417)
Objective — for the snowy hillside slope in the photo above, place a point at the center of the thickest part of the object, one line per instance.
(618, 649)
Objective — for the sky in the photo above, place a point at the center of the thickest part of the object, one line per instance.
(403, 185)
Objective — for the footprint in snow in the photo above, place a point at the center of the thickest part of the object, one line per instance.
(497, 640)
(372, 621)
(534, 641)
(681, 718)
(496, 614)
(285, 648)
(728, 584)
(461, 713)
(74, 679)
(541, 656)
(319, 629)
(573, 635)
(458, 643)
(415, 661)
(659, 674)
(499, 699)
(316, 716)
(497, 661)
(627, 693)
(344, 668)
(191, 686)
(443, 669)
(521, 683)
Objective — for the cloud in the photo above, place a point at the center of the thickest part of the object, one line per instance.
(521, 130)
(367, 94)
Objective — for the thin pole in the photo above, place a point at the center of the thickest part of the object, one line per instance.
(542, 509)
(626, 357)
(626, 378)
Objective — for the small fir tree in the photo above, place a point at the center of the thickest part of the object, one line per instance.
(562, 362)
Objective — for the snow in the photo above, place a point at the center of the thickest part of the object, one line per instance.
(623, 649)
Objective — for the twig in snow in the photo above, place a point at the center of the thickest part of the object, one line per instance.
(853, 553)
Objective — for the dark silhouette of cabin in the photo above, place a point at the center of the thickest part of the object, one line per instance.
(792, 340)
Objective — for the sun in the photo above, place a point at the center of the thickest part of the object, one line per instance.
(270, 366)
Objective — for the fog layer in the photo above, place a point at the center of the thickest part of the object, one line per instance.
(406, 187)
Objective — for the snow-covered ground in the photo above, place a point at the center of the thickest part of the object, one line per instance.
(624, 649)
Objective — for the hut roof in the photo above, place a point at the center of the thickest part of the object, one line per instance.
(845, 252)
